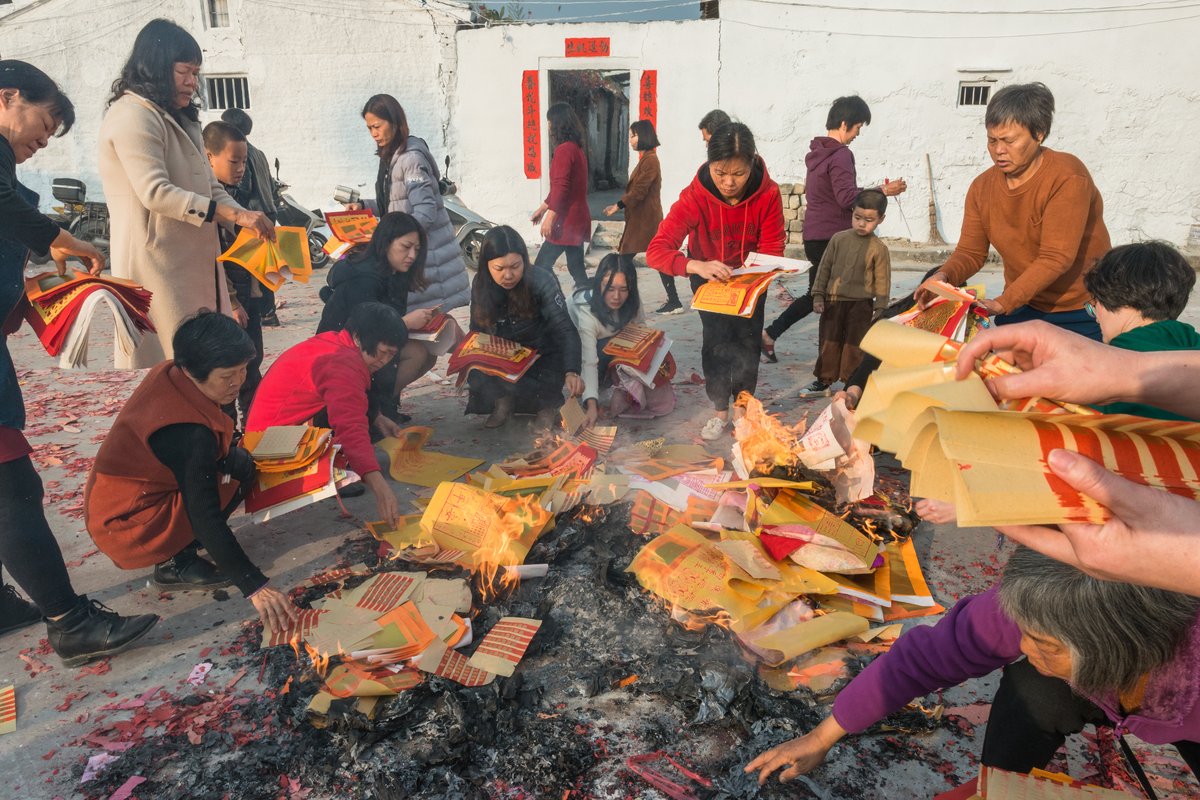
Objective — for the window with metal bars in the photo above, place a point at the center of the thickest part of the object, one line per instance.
(228, 91)
(218, 13)
(974, 93)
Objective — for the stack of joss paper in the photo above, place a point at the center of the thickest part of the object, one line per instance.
(953, 312)
(348, 229)
(295, 469)
(377, 637)
(61, 312)
(740, 294)
(438, 332)
(272, 263)
(491, 355)
(989, 459)
(642, 354)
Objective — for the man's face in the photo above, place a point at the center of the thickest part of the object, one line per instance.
(865, 221)
(230, 164)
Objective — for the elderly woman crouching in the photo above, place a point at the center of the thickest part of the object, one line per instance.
(1096, 652)
(168, 474)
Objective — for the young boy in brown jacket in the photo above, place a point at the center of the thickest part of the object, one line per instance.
(850, 290)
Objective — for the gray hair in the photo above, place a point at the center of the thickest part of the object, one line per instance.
(1030, 105)
(1116, 632)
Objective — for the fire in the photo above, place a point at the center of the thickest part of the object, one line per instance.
(497, 551)
(697, 621)
(320, 661)
(765, 441)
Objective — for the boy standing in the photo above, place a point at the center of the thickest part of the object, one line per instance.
(850, 290)
(227, 153)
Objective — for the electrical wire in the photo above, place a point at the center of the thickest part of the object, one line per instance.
(1149, 5)
(93, 34)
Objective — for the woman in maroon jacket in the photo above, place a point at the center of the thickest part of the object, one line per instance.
(566, 220)
(730, 209)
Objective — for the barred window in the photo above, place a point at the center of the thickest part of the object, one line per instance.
(228, 91)
(218, 13)
(974, 93)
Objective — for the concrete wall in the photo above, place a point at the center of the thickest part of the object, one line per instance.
(311, 66)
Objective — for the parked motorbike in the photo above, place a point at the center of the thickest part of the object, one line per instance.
(469, 227)
(289, 212)
(84, 219)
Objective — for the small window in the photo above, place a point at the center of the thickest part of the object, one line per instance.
(218, 13)
(228, 91)
(974, 93)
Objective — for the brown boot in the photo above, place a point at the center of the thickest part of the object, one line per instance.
(500, 413)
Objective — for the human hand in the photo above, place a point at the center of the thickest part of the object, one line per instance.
(994, 307)
(1153, 538)
(610, 210)
(66, 245)
(258, 223)
(800, 755)
(414, 320)
(240, 316)
(818, 304)
(352, 206)
(592, 412)
(939, 512)
(923, 295)
(536, 217)
(1055, 363)
(238, 464)
(709, 270)
(547, 229)
(274, 608)
(573, 384)
(387, 426)
(892, 188)
(850, 396)
(387, 507)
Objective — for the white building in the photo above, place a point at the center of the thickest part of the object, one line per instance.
(1124, 79)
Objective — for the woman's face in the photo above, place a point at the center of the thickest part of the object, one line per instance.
(27, 126)
(187, 80)
(632, 140)
(402, 252)
(222, 384)
(381, 130)
(617, 292)
(507, 270)
(1013, 148)
(1046, 654)
(730, 177)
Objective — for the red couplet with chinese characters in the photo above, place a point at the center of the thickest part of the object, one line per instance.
(531, 131)
(597, 46)
(648, 97)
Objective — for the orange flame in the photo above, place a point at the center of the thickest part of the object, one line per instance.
(765, 441)
(496, 552)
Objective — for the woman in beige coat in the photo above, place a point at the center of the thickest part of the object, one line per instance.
(163, 200)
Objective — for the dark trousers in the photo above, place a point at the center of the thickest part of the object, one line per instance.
(802, 306)
(843, 326)
(550, 253)
(254, 313)
(1077, 321)
(268, 301)
(28, 549)
(1032, 715)
(668, 282)
(729, 351)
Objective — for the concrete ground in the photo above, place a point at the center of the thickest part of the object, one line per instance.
(69, 413)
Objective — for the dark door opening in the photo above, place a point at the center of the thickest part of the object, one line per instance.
(601, 99)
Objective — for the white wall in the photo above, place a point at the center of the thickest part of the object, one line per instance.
(487, 103)
(311, 66)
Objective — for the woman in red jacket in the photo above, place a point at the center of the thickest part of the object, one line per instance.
(566, 220)
(730, 209)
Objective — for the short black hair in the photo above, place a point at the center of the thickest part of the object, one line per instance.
(1152, 278)
(732, 140)
(218, 135)
(238, 119)
(210, 340)
(872, 200)
(851, 110)
(375, 324)
(39, 89)
(713, 120)
(1030, 105)
(647, 136)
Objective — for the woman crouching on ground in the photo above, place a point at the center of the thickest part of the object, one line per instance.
(512, 300)
(168, 474)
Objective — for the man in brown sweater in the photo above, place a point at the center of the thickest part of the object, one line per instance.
(1041, 211)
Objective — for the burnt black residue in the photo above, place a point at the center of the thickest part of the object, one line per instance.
(561, 727)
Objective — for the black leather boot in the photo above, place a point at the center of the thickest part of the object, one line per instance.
(187, 570)
(15, 611)
(92, 630)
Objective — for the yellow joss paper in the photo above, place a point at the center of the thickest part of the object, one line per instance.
(795, 509)
(776, 648)
(411, 464)
(488, 528)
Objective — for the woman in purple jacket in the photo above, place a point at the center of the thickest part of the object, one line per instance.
(1096, 652)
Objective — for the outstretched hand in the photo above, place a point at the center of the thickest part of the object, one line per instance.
(798, 756)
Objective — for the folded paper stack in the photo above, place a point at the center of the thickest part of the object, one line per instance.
(305, 476)
(740, 294)
(61, 312)
(491, 355)
(348, 229)
(641, 353)
(272, 263)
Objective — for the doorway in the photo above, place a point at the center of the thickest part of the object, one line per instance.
(601, 100)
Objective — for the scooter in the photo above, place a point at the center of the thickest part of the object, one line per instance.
(83, 219)
(289, 212)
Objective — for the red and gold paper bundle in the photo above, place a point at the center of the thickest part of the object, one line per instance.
(491, 355)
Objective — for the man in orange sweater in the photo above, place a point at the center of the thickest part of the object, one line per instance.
(1041, 211)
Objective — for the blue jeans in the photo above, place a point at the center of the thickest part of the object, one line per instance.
(1077, 321)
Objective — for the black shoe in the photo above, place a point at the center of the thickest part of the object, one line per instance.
(270, 320)
(670, 307)
(15, 611)
(817, 388)
(187, 570)
(356, 489)
(92, 630)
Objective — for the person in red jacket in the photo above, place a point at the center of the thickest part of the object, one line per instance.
(328, 377)
(565, 217)
(730, 209)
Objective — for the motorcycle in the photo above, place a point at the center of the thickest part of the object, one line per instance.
(83, 219)
(469, 227)
(289, 212)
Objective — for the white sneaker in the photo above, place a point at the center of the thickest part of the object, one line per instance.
(713, 429)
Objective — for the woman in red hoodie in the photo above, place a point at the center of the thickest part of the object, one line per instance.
(730, 209)
(565, 217)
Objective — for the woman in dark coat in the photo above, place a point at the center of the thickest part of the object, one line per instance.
(643, 205)
(526, 306)
(565, 217)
